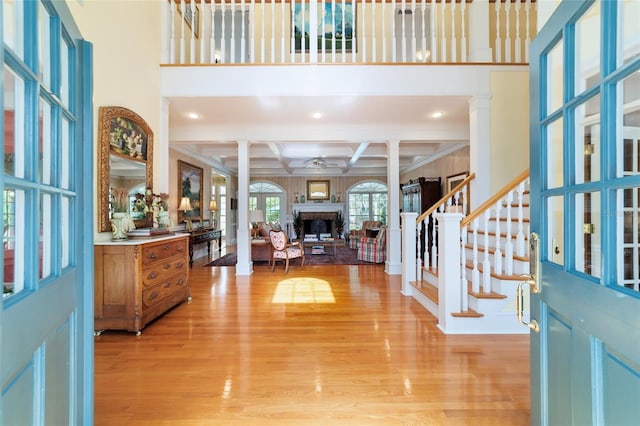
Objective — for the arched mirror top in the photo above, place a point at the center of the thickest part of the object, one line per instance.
(125, 157)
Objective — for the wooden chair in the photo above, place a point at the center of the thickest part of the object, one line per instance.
(282, 250)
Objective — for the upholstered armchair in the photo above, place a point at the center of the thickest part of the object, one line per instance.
(356, 234)
(373, 249)
(282, 250)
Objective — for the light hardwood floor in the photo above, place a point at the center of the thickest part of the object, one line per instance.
(339, 345)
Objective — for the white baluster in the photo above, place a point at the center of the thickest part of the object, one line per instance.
(293, 50)
(475, 274)
(212, 38)
(303, 41)
(363, 33)
(434, 40)
(454, 40)
(273, 26)
(427, 220)
(243, 40)
(384, 32)
(344, 39)
(463, 32)
(252, 34)
(443, 34)
(394, 31)
(527, 40)
(464, 293)
(282, 31)
(486, 263)
(333, 33)
(323, 47)
(508, 248)
(223, 42)
(374, 47)
(419, 257)
(497, 256)
(172, 41)
(203, 51)
(434, 239)
(498, 43)
(183, 43)
(518, 42)
(520, 246)
(262, 34)
(507, 33)
(423, 35)
(354, 40)
(192, 35)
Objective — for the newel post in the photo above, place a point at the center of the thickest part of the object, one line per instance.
(408, 251)
(449, 291)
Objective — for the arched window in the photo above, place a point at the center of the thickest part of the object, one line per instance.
(269, 198)
(367, 201)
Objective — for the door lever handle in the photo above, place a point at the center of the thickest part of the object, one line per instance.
(533, 324)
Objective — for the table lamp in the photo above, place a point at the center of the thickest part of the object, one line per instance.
(213, 208)
(185, 206)
(255, 217)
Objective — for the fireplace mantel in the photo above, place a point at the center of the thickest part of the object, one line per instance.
(317, 207)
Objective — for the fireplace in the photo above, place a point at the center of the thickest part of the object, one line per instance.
(316, 223)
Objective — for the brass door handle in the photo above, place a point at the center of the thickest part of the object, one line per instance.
(533, 324)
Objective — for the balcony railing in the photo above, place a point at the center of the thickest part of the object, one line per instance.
(359, 32)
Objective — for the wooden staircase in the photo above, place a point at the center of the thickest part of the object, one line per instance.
(492, 256)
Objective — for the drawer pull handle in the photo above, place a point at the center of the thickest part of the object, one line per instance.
(165, 248)
(179, 248)
(167, 285)
(167, 266)
(153, 295)
(179, 265)
(152, 255)
(180, 282)
(153, 274)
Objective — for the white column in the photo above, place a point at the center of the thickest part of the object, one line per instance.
(244, 266)
(480, 149)
(408, 252)
(479, 48)
(449, 292)
(392, 263)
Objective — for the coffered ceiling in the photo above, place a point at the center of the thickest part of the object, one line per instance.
(327, 136)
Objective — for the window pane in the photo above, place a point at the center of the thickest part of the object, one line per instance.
(45, 147)
(587, 144)
(555, 236)
(13, 241)
(66, 153)
(272, 213)
(555, 86)
(44, 47)
(588, 48)
(628, 229)
(64, 73)
(630, 46)
(630, 138)
(12, 20)
(46, 226)
(555, 154)
(14, 159)
(588, 233)
(65, 230)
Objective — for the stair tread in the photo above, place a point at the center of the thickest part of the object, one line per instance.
(469, 313)
(492, 295)
(493, 250)
(427, 289)
(469, 265)
(502, 234)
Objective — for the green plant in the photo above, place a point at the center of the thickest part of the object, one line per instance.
(339, 223)
(297, 222)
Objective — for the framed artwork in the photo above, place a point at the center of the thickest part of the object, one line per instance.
(454, 180)
(128, 133)
(337, 25)
(190, 185)
(317, 190)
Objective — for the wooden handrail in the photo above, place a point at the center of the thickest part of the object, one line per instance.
(491, 201)
(445, 198)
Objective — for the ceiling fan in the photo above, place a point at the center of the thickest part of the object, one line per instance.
(315, 163)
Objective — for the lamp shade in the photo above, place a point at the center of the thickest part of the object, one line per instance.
(213, 206)
(185, 204)
(256, 216)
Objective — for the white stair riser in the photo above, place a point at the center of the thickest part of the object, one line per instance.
(519, 266)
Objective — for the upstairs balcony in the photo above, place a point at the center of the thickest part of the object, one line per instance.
(281, 32)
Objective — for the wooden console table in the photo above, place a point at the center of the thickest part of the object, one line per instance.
(204, 236)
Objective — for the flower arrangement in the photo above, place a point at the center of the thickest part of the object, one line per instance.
(149, 202)
(120, 200)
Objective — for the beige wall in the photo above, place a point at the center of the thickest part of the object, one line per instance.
(125, 73)
(452, 164)
(509, 126)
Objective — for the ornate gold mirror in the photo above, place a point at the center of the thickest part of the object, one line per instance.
(125, 161)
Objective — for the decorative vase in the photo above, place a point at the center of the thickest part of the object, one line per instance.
(302, 199)
(120, 224)
(163, 219)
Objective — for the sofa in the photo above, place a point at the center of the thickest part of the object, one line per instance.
(373, 249)
(356, 234)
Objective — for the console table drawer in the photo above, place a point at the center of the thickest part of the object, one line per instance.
(162, 251)
(167, 287)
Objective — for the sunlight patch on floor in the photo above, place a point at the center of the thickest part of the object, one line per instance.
(303, 290)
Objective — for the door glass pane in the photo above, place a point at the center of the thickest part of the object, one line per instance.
(12, 21)
(45, 247)
(65, 230)
(555, 86)
(628, 229)
(555, 154)
(587, 144)
(588, 228)
(555, 236)
(14, 153)
(45, 142)
(65, 161)
(588, 49)
(44, 46)
(13, 241)
(630, 138)
(64, 73)
(630, 46)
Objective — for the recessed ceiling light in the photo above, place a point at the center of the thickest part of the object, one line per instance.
(436, 114)
(316, 115)
(193, 115)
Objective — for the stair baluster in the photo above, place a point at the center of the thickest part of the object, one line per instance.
(419, 259)
(486, 264)
(520, 249)
(497, 256)
(508, 248)
(475, 273)
(464, 299)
